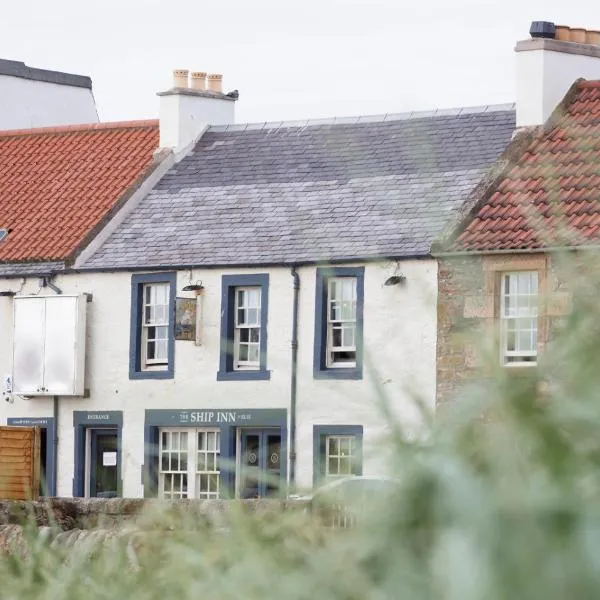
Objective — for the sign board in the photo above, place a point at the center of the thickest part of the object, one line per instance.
(261, 417)
(185, 319)
(109, 459)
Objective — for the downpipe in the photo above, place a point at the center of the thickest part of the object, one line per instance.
(294, 378)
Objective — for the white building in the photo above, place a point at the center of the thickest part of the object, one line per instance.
(263, 305)
(31, 97)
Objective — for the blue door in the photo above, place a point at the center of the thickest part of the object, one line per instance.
(104, 463)
(260, 464)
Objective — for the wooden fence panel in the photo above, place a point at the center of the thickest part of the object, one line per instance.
(19, 463)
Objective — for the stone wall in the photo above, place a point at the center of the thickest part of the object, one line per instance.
(468, 347)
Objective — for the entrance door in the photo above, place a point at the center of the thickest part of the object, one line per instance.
(104, 474)
(260, 463)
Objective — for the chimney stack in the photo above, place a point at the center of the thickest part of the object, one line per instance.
(189, 107)
(548, 64)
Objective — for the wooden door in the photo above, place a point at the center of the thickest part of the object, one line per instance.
(19, 463)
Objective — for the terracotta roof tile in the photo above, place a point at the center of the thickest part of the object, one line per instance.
(57, 183)
(551, 196)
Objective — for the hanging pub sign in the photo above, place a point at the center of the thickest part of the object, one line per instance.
(185, 319)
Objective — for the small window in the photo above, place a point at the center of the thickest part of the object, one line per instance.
(152, 346)
(244, 311)
(189, 464)
(339, 323)
(247, 328)
(155, 326)
(340, 456)
(337, 452)
(519, 317)
(3, 234)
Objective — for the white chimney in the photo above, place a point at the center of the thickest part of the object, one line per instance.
(185, 112)
(547, 66)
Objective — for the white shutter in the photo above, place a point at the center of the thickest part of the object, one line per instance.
(28, 345)
(59, 354)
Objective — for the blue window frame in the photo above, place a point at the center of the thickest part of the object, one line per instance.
(243, 354)
(337, 452)
(139, 366)
(339, 299)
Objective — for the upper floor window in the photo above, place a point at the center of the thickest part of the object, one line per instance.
(152, 346)
(246, 339)
(339, 323)
(244, 311)
(155, 326)
(519, 317)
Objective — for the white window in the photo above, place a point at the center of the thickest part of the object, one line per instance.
(155, 326)
(341, 322)
(189, 463)
(246, 334)
(340, 456)
(519, 317)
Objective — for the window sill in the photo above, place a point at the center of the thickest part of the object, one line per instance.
(338, 373)
(258, 375)
(166, 374)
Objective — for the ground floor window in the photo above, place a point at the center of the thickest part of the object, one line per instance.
(189, 463)
(337, 452)
(340, 455)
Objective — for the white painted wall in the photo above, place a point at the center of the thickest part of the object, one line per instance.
(184, 115)
(399, 333)
(545, 71)
(26, 103)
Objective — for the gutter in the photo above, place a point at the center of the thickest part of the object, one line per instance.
(514, 251)
(294, 377)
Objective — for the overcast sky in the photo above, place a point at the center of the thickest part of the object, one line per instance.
(289, 59)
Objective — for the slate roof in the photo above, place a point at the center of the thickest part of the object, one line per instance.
(281, 193)
(58, 184)
(15, 68)
(550, 195)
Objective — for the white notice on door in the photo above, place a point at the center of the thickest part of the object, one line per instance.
(109, 459)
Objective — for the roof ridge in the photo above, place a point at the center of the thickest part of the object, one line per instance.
(403, 116)
(589, 83)
(80, 127)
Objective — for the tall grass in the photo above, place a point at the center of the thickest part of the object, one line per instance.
(501, 502)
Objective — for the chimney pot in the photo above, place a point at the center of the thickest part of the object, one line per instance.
(180, 78)
(198, 79)
(578, 35)
(542, 29)
(562, 32)
(592, 36)
(215, 83)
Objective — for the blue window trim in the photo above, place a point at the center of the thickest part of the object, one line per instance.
(82, 421)
(320, 368)
(228, 285)
(319, 432)
(135, 335)
(49, 425)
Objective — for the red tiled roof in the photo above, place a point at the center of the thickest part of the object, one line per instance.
(56, 184)
(551, 195)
